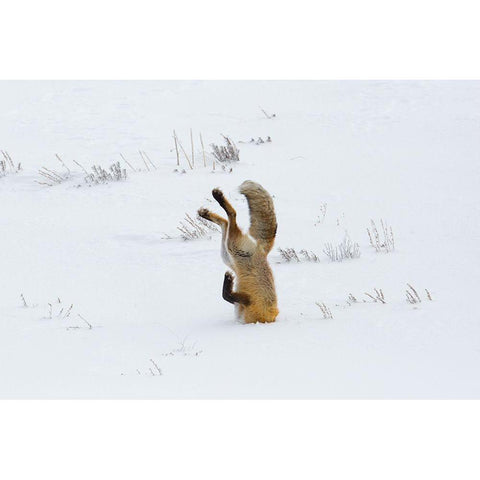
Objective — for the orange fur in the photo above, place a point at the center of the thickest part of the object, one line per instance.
(246, 254)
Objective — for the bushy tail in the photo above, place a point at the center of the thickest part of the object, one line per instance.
(263, 223)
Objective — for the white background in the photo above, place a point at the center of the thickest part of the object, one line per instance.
(232, 439)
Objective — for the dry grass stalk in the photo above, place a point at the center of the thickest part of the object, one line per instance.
(88, 323)
(384, 243)
(67, 313)
(412, 295)
(379, 296)
(325, 310)
(203, 151)
(193, 229)
(193, 151)
(185, 153)
(428, 295)
(23, 300)
(144, 155)
(81, 166)
(63, 164)
(156, 367)
(176, 148)
(144, 161)
(52, 177)
(127, 162)
(266, 114)
(7, 165)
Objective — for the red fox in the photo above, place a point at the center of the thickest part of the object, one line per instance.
(246, 254)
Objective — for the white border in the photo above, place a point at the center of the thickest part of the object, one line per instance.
(213, 39)
(239, 440)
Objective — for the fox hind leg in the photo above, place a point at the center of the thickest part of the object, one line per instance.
(218, 195)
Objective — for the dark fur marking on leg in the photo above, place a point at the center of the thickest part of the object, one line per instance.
(217, 194)
(242, 253)
(229, 295)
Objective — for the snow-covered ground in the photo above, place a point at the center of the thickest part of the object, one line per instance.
(144, 300)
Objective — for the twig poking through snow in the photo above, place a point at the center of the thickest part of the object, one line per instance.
(156, 366)
(266, 114)
(127, 162)
(81, 166)
(176, 148)
(23, 299)
(88, 323)
(203, 151)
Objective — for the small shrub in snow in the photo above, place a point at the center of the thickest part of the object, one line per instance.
(325, 310)
(309, 256)
(115, 173)
(193, 229)
(7, 166)
(378, 296)
(382, 241)
(345, 249)
(185, 349)
(290, 254)
(226, 153)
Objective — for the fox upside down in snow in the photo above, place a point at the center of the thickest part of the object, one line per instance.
(246, 254)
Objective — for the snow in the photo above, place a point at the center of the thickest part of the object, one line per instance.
(405, 152)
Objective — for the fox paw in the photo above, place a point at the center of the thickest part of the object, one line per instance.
(217, 195)
(204, 213)
(229, 277)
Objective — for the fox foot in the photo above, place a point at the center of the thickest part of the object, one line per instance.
(218, 196)
(204, 213)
